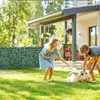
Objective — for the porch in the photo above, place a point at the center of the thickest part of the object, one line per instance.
(82, 19)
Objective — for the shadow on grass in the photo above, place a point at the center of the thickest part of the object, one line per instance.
(79, 85)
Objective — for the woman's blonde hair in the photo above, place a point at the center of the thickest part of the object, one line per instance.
(84, 47)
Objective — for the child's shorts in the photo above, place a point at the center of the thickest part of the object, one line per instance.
(92, 59)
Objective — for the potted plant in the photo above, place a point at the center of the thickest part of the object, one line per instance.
(69, 31)
(46, 36)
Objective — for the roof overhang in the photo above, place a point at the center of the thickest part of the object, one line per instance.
(80, 10)
(53, 18)
(65, 14)
(46, 18)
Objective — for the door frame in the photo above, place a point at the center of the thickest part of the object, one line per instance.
(90, 35)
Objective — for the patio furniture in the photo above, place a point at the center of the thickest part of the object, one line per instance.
(68, 55)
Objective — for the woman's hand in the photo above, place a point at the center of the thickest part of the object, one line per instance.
(83, 67)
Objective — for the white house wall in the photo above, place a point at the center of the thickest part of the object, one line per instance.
(83, 25)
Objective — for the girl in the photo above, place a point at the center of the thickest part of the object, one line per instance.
(47, 56)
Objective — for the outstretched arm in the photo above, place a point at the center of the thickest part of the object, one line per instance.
(62, 59)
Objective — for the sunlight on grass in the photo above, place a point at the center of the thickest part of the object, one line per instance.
(10, 74)
(15, 75)
(27, 84)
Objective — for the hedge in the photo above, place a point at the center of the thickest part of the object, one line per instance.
(19, 57)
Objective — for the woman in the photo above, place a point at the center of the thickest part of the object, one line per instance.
(47, 56)
(93, 55)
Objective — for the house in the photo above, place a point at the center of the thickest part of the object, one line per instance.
(85, 24)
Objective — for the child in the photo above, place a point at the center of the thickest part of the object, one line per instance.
(92, 52)
(47, 56)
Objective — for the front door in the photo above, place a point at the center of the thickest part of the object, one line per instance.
(93, 36)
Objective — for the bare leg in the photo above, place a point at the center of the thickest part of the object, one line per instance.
(98, 66)
(90, 64)
(51, 73)
(46, 73)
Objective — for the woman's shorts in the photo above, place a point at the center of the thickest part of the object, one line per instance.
(93, 59)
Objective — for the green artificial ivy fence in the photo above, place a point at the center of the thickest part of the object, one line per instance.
(19, 57)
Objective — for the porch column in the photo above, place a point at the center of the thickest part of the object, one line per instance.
(99, 27)
(41, 32)
(74, 38)
(65, 37)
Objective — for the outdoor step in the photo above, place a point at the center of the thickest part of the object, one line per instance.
(63, 65)
(73, 64)
(60, 62)
(70, 62)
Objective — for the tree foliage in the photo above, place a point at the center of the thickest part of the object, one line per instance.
(54, 6)
(13, 17)
(60, 31)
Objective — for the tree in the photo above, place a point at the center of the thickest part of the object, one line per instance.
(54, 6)
(13, 17)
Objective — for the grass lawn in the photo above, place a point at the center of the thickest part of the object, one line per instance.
(27, 84)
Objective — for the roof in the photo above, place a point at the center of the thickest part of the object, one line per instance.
(46, 18)
(65, 14)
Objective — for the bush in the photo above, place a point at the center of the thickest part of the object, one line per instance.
(19, 57)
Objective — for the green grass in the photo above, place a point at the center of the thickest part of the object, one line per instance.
(27, 84)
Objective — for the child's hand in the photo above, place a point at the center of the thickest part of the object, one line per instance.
(71, 66)
(54, 57)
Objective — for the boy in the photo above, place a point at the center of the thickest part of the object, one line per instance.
(93, 55)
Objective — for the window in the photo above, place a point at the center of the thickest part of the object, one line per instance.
(93, 34)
